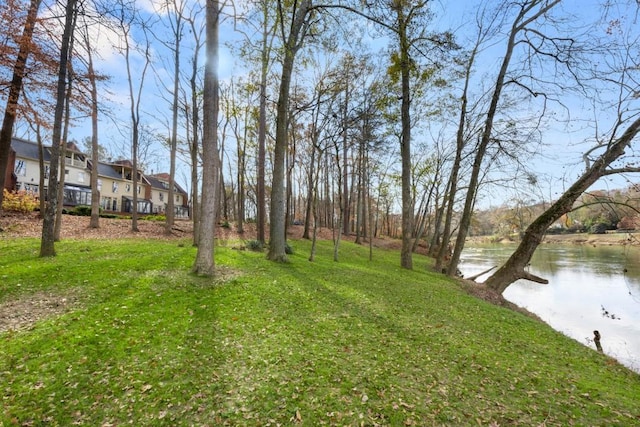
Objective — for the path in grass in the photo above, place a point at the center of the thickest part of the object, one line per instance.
(348, 343)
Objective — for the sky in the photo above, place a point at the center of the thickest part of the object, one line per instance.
(558, 164)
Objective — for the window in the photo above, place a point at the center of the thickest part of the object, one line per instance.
(66, 171)
(31, 188)
(177, 198)
(99, 185)
(114, 187)
(46, 171)
(77, 196)
(161, 196)
(80, 176)
(138, 189)
(21, 168)
(128, 188)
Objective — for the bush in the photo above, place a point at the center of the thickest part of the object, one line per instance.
(154, 218)
(19, 201)
(81, 210)
(599, 228)
(288, 249)
(255, 245)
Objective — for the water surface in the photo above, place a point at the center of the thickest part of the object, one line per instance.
(590, 288)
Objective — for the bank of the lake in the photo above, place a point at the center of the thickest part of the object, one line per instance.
(606, 239)
(354, 342)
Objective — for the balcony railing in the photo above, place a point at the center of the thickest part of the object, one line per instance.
(74, 162)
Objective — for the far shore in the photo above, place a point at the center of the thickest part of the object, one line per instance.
(608, 239)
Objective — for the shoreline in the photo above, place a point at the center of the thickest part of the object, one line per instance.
(608, 239)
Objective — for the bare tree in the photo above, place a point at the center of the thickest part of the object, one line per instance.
(193, 106)
(176, 20)
(126, 16)
(95, 147)
(47, 243)
(606, 158)
(205, 262)
(298, 28)
(528, 13)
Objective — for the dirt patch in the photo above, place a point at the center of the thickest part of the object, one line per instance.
(24, 312)
(77, 227)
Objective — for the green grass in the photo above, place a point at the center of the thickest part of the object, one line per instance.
(324, 343)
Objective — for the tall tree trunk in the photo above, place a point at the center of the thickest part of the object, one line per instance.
(205, 261)
(63, 144)
(450, 195)
(41, 168)
(95, 192)
(277, 234)
(14, 92)
(171, 210)
(514, 268)
(47, 242)
(312, 190)
(406, 256)
(518, 25)
(359, 196)
(194, 146)
(261, 217)
(346, 214)
(242, 159)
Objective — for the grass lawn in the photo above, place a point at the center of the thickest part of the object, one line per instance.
(324, 343)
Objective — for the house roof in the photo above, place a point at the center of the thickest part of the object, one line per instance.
(124, 162)
(108, 171)
(161, 181)
(28, 149)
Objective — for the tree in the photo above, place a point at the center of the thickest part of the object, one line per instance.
(452, 187)
(126, 16)
(94, 145)
(15, 88)
(514, 268)
(47, 243)
(298, 28)
(528, 12)
(205, 262)
(407, 21)
(176, 22)
(192, 106)
(605, 158)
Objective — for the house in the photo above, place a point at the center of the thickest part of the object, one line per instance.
(159, 195)
(115, 183)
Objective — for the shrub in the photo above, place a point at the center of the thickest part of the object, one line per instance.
(598, 228)
(255, 245)
(19, 201)
(81, 210)
(288, 249)
(154, 218)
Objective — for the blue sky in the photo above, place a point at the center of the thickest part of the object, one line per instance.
(559, 163)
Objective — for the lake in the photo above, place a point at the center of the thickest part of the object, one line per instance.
(590, 288)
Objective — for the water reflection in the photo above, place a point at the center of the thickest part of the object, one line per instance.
(590, 288)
